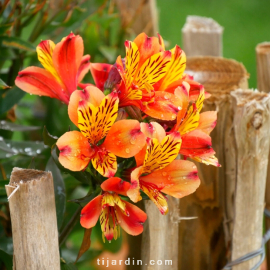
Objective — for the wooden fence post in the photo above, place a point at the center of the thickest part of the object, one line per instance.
(33, 220)
(263, 84)
(205, 243)
(250, 135)
(202, 36)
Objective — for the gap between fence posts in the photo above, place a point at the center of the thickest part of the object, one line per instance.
(263, 84)
(33, 220)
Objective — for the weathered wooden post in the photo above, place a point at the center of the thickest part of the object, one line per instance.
(202, 36)
(205, 243)
(33, 219)
(250, 134)
(263, 84)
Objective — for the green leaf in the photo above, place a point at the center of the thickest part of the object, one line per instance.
(6, 245)
(14, 127)
(86, 243)
(12, 97)
(88, 197)
(32, 164)
(5, 27)
(59, 191)
(4, 147)
(6, 259)
(3, 85)
(48, 139)
(68, 266)
(3, 190)
(81, 176)
(16, 43)
(27, 148)
(109, 53)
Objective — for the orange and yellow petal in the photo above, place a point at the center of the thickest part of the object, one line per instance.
(161, 41)
(133, 223)
(134, 191)
(38, 81)
(207, 121)
(105, 163)
(75, 151)
(125, 138)
(159, 155)
(196, 143)
(91, 212)
(89, 94)
(45, 52)
(178, 179)
(207, 159)
(67, 58)
(154, 194)
(152, 70)
(165, 106)
(176, 69)
(84, 67)
(147, 46)
(109, 223)
(100, 73)
(116, 185)
(95, 122)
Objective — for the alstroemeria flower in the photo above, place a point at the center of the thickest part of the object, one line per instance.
(195, 128)
(95, 114)
(64, 68)
(113, 211)
(161, 173)
(145, 64)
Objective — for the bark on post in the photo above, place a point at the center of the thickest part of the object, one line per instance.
(205, 243)
(139, 16)
(202, 36)
(33, 219)
(263, 84)
(251, 132)
(160, 238)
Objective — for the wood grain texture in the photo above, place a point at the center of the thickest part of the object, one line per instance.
(33, 218)
(139, 16)
(251, 132)
(202, 36)
(205, 243)
(160, 237)
(263, 84)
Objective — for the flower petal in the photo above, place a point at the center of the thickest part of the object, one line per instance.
(105, 165)
(84, 67)
(91, 212)
(125, 138)
(208, 121)
(159, 155)
(176, 69)
(116, 185)
(38, 81)
(95, 122)
(45, 52)
(67, 57)
(166, 106)
(208, 160)
(134, 191)
(100, 73)
(75, 151)
(178, 179)
(152, 191)
(132, 224)
(147, 46)
(196, 143)
(90, 94)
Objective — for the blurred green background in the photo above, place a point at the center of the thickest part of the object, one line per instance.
(246, 23)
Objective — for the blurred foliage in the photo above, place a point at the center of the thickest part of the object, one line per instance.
(24, 142)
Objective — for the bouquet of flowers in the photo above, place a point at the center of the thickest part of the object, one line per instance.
(137, 126)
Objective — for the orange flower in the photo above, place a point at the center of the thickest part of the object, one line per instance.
(64, 68)
(113, 211)
(161, 173)
(195, 128)
(95, 114)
